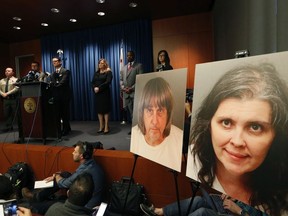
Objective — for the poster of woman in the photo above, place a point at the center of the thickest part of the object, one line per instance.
(239, 130)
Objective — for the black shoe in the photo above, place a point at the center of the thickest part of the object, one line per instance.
(148, 210)
(19, 141)
(106, 132)
(59, 140)
(100, 131)
(27, 194)
(129, 133)
(51, 101)
(7, 129)
(65, 133)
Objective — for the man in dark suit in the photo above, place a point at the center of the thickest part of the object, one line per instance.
(127, 81)
(60, 80)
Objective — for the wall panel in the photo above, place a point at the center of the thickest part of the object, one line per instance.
(188, 40)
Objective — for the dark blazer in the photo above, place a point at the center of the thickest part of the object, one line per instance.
(129, 79)
(163, 67)
(61, 82)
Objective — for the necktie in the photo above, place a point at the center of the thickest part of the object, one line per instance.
(7, 85)
(129, 66)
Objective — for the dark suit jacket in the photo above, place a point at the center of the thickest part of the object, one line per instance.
(61, 83)
(129, 79)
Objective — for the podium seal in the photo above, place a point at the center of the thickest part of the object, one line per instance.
(29, 105)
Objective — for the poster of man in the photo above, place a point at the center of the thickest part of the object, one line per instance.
(239, 139)
(158, 118)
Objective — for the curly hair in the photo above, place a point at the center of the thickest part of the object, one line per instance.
(269, 180)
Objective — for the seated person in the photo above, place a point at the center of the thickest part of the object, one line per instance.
(82, 154)
(6, 189)
(79, 194)
(201, 207)
(7, 192)
(22, 211)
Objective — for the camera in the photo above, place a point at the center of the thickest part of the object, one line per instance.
(189, 95)
(9, 208)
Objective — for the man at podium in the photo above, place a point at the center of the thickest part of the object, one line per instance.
(35, 74)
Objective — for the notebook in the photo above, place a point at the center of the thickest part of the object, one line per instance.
(8, 207)
(101, 209)
(216, 203)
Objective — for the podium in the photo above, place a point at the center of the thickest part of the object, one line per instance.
(37, 114)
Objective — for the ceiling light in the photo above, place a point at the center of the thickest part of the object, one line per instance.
(133, 4)
(100, 1)
(101, 13)
(17, 18)
(16, 27)
(55, 10)
(73, 20)
(44, 24)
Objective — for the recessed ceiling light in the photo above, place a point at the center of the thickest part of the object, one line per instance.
(16, 27)
(101, 13)
(44, 24)
(73, 20)
(17, 18)
(100, 1)
(55, 10)
(133, 4)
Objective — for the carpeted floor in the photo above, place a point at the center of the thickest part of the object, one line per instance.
(81, 130)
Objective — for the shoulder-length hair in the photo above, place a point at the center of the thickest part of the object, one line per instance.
(156, 90)
(105, 64)
(167, 58)
(269, 180)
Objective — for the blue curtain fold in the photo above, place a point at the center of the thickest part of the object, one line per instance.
(83, 49)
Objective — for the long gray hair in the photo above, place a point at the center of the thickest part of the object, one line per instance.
(259, 82)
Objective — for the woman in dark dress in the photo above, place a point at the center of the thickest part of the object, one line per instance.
(101, 87)
(163, 61)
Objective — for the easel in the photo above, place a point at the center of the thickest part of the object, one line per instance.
(195, 187)
(130, 182)
(175, 174)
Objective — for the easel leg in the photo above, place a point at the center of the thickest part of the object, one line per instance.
(130, 182)
(195, 187)
(175, 174)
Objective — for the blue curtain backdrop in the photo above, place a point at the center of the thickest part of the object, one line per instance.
(83, 49)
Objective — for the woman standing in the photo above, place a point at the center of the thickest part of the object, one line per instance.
(101, 87)
(163, 61)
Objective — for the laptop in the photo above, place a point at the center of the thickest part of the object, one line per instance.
(8, 207)
(215, 202)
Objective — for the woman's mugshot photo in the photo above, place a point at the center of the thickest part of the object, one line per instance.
(239, 132)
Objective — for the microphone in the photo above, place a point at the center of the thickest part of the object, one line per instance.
(36, 77)
(32, 76)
